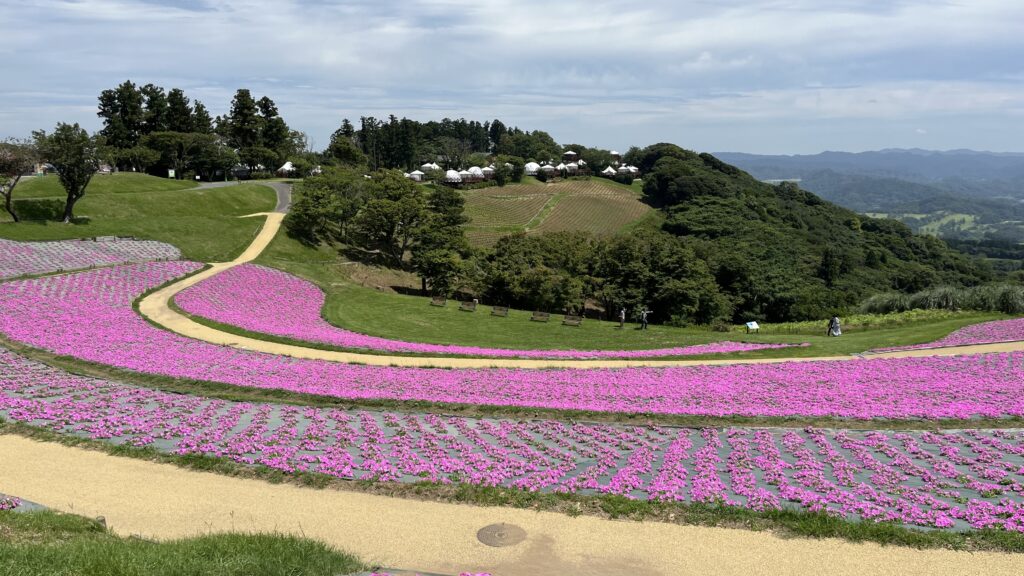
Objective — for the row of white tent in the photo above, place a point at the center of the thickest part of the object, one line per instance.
(475, 173)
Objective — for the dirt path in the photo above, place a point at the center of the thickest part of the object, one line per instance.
(162, 501)
(155, 307)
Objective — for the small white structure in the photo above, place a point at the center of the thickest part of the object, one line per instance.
(531, 168)
(609, 171)
(623, 170)
(616, 157)
(633, 169)
(548, 169)
(465, 176)
(286, 169)
(572, 167)
(561, 167)
(488, 172)
(452, 176)
(476, 172)
(416, 175)
(427, 167)
(569, 156)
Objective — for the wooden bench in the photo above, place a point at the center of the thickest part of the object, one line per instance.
(499, 311)
(438, 301)
(540, 317)
(572, 320)
(467, 306)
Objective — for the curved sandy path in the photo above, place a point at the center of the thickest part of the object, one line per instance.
(156, 308)
(163, 501)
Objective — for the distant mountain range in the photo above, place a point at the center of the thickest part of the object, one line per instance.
(956, 194)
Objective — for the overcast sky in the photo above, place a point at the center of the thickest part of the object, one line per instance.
(764, 76)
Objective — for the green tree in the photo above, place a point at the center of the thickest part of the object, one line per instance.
(122, 114)
(179, 112)
(155, 106)
(76, 157)
(178, 149)
(16, 158)
(243, 123)
(201, 121)
(391, 218)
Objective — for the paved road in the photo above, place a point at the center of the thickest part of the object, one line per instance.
(283, 190)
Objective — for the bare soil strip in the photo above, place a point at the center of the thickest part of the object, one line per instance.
(162, 501)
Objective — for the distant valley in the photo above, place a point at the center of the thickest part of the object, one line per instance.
(974, 200)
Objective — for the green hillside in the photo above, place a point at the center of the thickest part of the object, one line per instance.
(203, 223)
(780, 252)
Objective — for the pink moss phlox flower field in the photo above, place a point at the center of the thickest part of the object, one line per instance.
(269, 301)
(9, 502)
(983, 333)
(23, 258)
(89, 316)
(953, 479)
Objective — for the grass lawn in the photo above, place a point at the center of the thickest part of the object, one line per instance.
(411, 318)
(120, 183)
(46, 543)
(202, 223)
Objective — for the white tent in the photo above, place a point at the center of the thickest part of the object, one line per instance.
(633, 169)
(489, 171)
(572, 167)
(465, 175)
(547, 168)
(531, 168)
(416, 175)
(608, 171)
(623, 170)
(560, 167)
(452, 176)
(476, 171)
(427, 167)
(288, 168)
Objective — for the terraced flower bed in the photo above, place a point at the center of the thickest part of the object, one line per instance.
(269, 301)
(24, 258)
(984, 333)
(956, 479)
(89, 316)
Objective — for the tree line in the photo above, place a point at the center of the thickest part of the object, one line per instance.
(727, 248)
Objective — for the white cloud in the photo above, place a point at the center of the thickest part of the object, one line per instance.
(568, 67)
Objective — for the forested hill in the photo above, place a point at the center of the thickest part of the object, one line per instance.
(782, 252)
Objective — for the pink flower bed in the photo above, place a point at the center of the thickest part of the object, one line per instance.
(9, 502)
(88, 315)
(953, 479)
(984, 333)
(22, 258)
(270, 301)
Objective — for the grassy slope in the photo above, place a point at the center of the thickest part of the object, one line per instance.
(202, 223)
(49, 186)
(411, 318)
(598, 205)
(45, 543)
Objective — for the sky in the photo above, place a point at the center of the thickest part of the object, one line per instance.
(760, 76)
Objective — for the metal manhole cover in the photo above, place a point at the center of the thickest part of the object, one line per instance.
(501, 535)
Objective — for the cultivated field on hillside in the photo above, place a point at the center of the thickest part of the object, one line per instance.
(592, 205)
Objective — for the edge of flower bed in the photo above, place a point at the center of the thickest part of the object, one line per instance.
(785, 523)
(234, 393)
(238, 331)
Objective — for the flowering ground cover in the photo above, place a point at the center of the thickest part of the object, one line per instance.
(269, 301)
(23, 258)
(984, 333)
(9, 502)
(954, 479)
(89, 316)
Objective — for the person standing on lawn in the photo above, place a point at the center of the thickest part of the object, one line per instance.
(622, 318)
(833, 327)
(643, 318)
